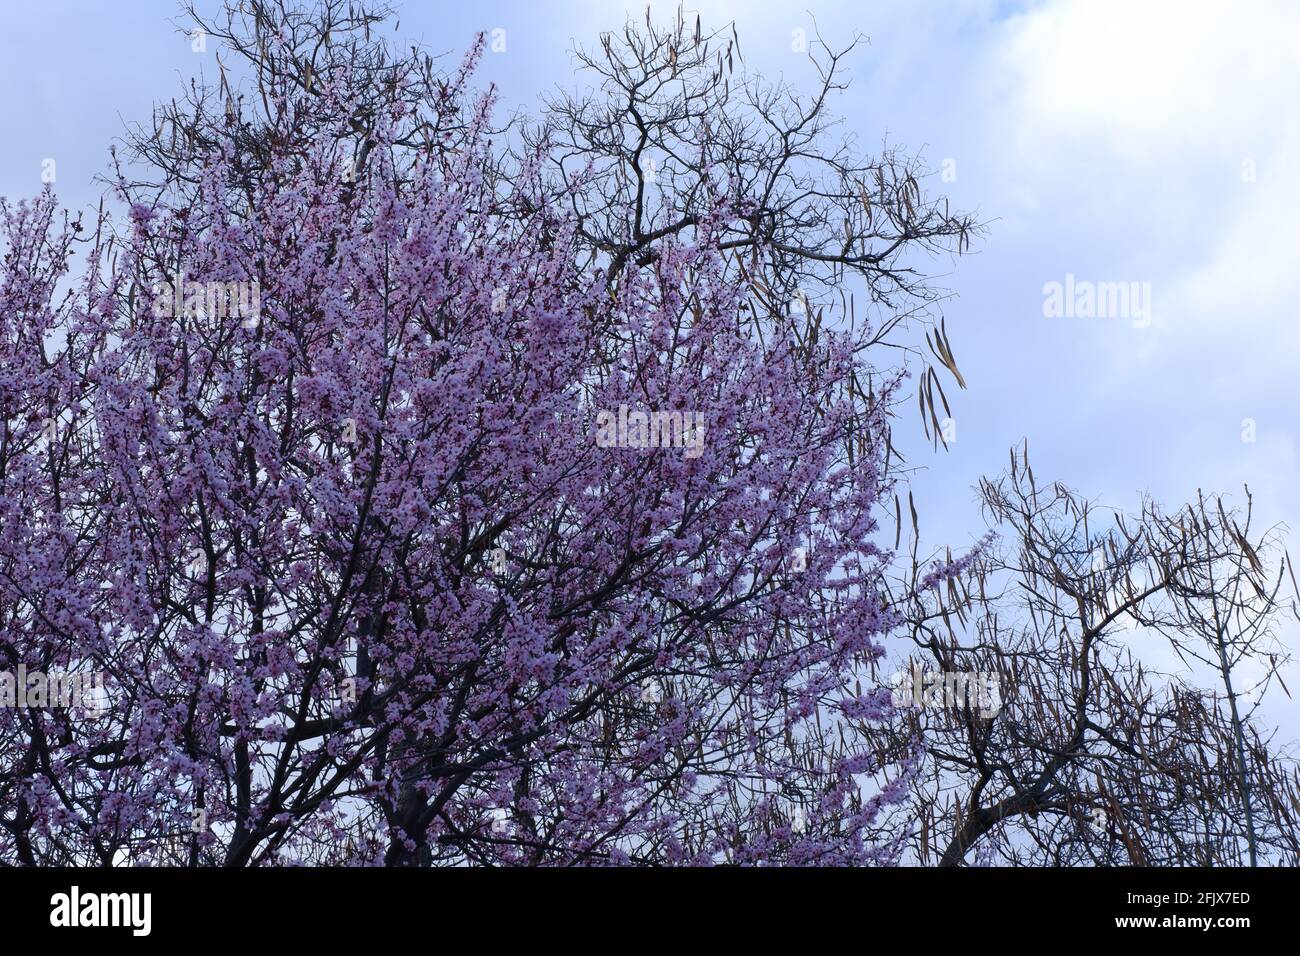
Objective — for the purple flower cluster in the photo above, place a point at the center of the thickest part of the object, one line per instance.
(366, 588)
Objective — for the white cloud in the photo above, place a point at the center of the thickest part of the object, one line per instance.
(1133, 122)
(1154, 81)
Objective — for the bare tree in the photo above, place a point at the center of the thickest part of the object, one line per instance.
(1102, 752)
(673, 121)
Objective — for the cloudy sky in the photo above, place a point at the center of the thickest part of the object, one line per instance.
(1127, 141)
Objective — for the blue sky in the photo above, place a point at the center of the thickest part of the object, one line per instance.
(1153, 142)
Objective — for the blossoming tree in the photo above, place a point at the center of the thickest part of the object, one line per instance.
(301, 453)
